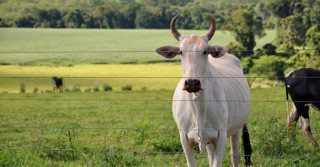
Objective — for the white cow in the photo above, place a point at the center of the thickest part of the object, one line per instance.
(212, 100)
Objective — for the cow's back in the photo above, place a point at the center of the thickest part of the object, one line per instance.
(304, 84)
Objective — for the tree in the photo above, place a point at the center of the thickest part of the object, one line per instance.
(104, 15)
(128, 14)
(269, 49)
(3, 23)
(74, 18)
(149, 18)
(261, 10)
(246, 28)
(313, 36)
(246, 63)
(237, 49)
(269, 66)
(24, 21)
(313, 41)
(263, 13)
(47, 18)
(291, 30)
(314, 9)
(54, 18)
(281, 8)
(170, 2)
(293, 19)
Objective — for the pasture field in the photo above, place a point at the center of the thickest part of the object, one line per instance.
(69, 46)
(90, 76)
(134, 128)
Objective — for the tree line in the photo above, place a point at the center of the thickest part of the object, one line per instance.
(129, 14)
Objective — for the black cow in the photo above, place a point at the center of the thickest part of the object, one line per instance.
(303, 85)
(57, 84)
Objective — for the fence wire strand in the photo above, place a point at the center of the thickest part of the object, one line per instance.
(149, 129)
(141, 51)
(161, 77)
(163, 100)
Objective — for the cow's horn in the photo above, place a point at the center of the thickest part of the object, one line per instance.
(174, 30)
(212, 28)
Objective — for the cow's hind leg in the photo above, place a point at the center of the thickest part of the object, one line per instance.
(210, 149)
(235, 148)
(294, 116)
(187, 146)
(307, 130)
(304, 111)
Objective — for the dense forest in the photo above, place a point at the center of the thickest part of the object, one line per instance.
(296, 22)
(124, 13)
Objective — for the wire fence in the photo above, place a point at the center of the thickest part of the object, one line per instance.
(142, 100)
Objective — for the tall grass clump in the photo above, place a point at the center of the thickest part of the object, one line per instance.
(35, 90)
(167, 143)
(60, 139)
(107, 88)
(116, 157)
(277, 142)
(87, 90)
(96, 89)
(76, 89)
(22, 88)
(127, 87)
(141, 132)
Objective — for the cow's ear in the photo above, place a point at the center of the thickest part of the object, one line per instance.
(168, 51)
(217, 51)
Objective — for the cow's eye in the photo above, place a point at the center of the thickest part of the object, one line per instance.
(180, 52)
(204, 52)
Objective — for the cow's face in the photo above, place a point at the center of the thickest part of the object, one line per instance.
(194, 51)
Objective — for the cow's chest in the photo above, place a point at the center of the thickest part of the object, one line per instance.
(200, 119)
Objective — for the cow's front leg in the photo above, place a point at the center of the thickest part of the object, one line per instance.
(220, 146)
(187, 146)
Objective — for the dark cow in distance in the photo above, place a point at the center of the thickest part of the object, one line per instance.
(303, 85)
(57, 84)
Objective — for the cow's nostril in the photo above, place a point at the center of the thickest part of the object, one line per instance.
(197, 82)
(186, 83)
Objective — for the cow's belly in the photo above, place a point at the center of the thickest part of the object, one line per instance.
(238, 115)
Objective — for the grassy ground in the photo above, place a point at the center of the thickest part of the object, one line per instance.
(69, 46)
(133, 128)
(116, 128)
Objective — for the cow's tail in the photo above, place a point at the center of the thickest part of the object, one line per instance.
(287, 100)
(247, 145)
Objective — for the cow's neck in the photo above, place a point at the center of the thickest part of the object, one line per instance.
(199, 104)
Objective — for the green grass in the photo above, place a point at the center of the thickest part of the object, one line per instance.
(119, 128)
(71, 46)
(116, 128)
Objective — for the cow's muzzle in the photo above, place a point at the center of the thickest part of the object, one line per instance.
(192, 85)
